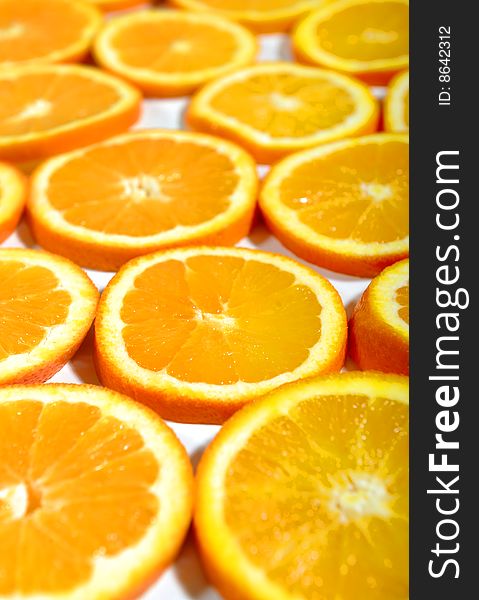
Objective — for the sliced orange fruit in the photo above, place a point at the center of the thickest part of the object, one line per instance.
(13, 193)
(172, 53)
(95, 493)
(365, 38)
(111, 5)
(396, 104)
(47, 305)
(103, 205)
(379, 327)
(304, 494)
(196, 333)
(274, 109)
(47, 109)
(46, 31)
(343, 206)
(262, 16)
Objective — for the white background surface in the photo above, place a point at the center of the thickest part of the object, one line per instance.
(184, 580)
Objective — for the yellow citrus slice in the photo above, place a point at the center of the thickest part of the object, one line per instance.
(365, 38)
(274, 109)
(196, 333)
(379, 327)
(47, 109)
(304, 494)
(396, 104)
(140, 192)
(262, 16)
(95, 493)
(47, 305)
(343, 206)
(172, 53)
(13, 193)
(39, 31)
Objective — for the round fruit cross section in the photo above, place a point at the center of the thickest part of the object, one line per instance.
(47, 305)
(197, 333)
(95, 493)
(304, 494)
(343, 206)
(141, 192)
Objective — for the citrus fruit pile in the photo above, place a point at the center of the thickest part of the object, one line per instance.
(182, 223)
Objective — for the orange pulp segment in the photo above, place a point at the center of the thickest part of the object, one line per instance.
(365, 38)
(196, 333)
(304, 494)
(262, 16)
(343, 206)
(137, 193)
(46, 30)
(274, 109)
(47, 109)
(396, 104)
(46, 308)
(95, 493)
(172, 53)
(13, 193)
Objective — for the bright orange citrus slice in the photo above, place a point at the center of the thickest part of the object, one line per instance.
(379, 327)
(274, 109)
(365, 38)
(47, 305)
(140, 192)
(172, 53)
(95, 493)
(343, 206)
(13, 193)
(39, 31)
(396, 104)
(47, 109)
(262, 16)
(304, 494)
(198, 332)
(111, 5)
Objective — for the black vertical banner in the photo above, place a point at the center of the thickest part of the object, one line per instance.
(444, 190)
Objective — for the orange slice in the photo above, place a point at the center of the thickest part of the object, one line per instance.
(365, 38)
(111, 5)
(47, 305)
(396, 105)
(196, 333)
(140, 192)
(343, 206)
(379, 327)
(49, 31)
(274, 109)
(95, 493)
(172, 53)
(13, 193)
(304, 494)
(262, 16)
(47, 109)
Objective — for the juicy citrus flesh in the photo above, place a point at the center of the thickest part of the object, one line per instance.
(173, 45)
(31, 302)
(402, 299)
(142, 187)
(45, 30)
(390, 295)
(285, 105)
(396, 111)
(250, 323)
(77, 487)
(358, 192)
(41, 101)
(313, 496)
(366, 31)
(13, 193)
